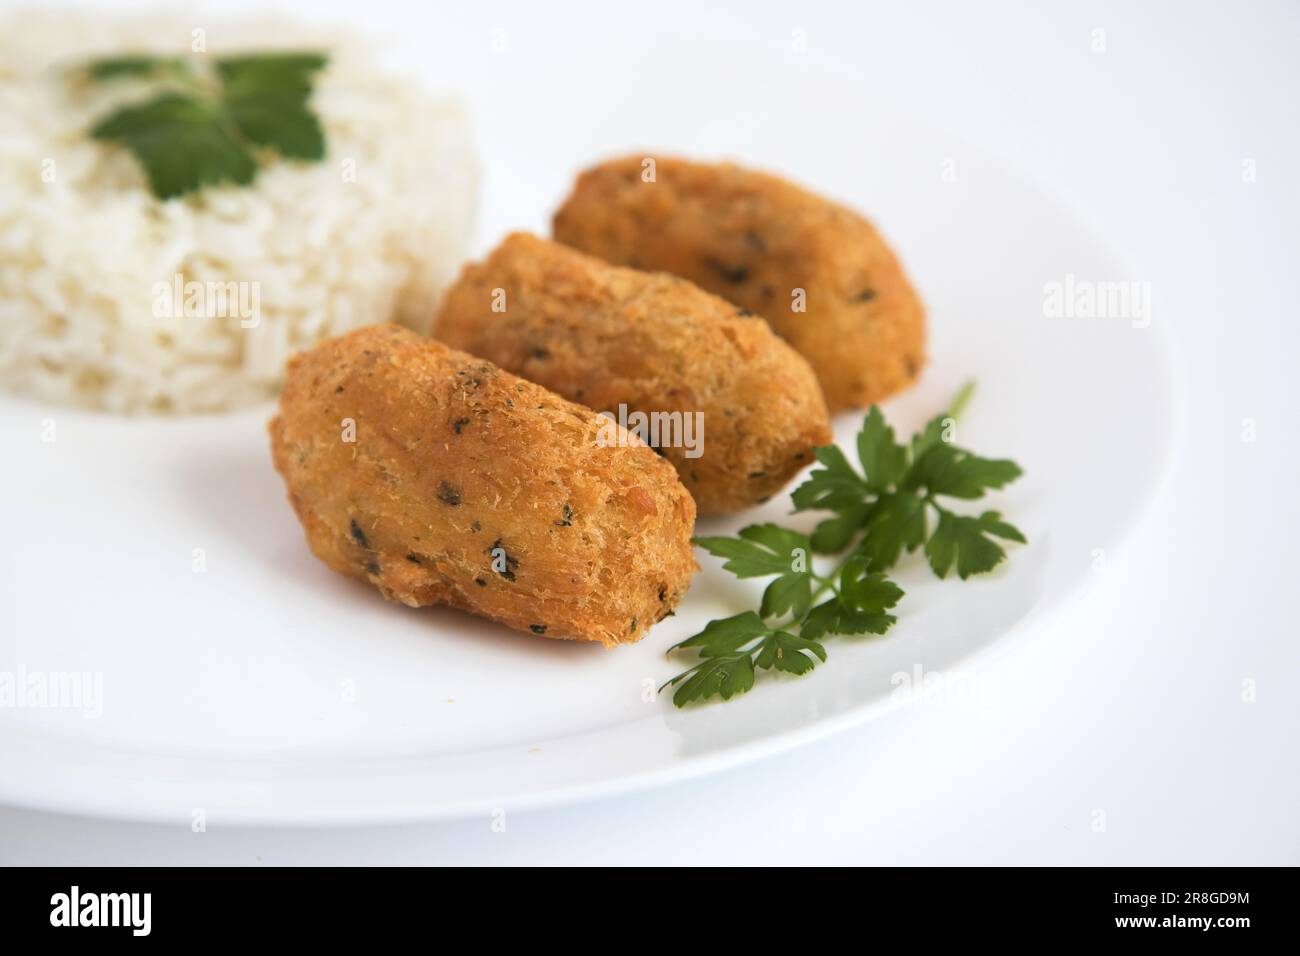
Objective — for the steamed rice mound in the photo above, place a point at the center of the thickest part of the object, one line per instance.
(372, 233)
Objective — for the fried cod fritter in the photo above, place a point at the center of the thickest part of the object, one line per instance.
(441, 479)
(734, 409)
(818, 272)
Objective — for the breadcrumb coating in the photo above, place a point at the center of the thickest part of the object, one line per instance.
(441, 479)
(817, 271)
(734, 409)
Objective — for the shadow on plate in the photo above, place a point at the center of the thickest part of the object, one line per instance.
(237, 495)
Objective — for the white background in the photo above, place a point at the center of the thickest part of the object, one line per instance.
(1119, 734)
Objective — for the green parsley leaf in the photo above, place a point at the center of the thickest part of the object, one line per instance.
(282, 122)
(866, 592)
(896, 522)
(183, 144)
(788, 594)
(266, 97)
(821, 620)
(286, 73)
(760, 551)
(951, 471)
(831, 488)
(135, 65)
(991, 522)
(877, 515)
(188, 140)
(863, 599)
(724, 677)
(726, 636)
(788, 652)
(931, 436)
(967, 541)
(884, 461)
(835, 534)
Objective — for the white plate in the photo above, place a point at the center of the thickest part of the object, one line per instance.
(270, 690)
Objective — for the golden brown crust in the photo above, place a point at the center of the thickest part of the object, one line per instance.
(470, 487)
(651, 342)
(754, 239)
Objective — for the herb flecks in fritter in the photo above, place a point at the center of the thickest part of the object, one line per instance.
(410, 506)
(720, 396)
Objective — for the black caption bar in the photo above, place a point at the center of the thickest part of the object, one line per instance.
(334, 906)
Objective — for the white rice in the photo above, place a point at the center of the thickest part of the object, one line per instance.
(371, 234)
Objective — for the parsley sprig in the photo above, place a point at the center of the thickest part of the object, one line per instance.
(204, 130)
(878, 512)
